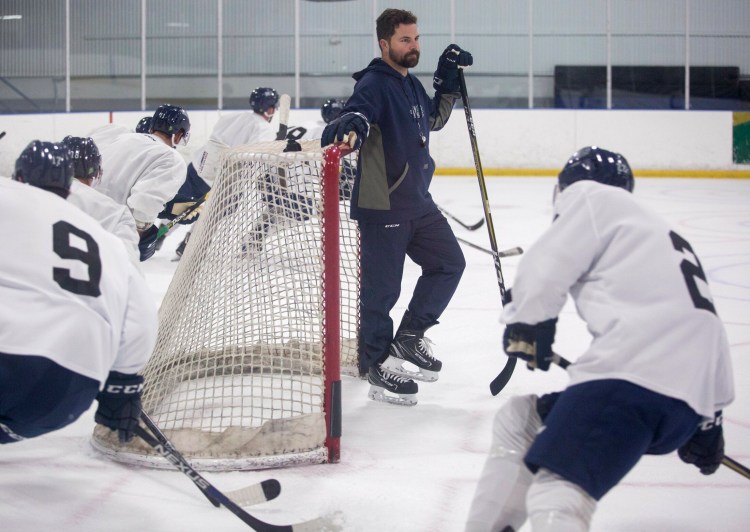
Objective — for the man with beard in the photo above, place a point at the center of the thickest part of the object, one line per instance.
(389, 118)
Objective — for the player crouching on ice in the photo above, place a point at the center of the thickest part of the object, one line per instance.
(654, 379)
(78, 320)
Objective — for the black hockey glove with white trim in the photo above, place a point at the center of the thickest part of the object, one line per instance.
(445, 79)
(532, 343)
(350, 128)
(705, 449)
(120, 404)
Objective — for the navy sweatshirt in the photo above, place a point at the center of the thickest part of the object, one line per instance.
(395, 167)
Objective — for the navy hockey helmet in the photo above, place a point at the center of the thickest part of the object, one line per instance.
(144, 125)
(85, 157)
(331, 110)
(45, 165)
(171, 119)
(262, 98)
(597, 164)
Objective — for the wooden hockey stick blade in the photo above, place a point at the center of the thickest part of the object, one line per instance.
(264, 491)
(736, 466)
(183, 466)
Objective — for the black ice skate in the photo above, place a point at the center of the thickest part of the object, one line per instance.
(412, 347)
(392, 389)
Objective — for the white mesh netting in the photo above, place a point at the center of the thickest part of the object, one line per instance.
(237, 378)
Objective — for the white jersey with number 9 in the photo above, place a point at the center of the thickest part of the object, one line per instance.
(68, 291)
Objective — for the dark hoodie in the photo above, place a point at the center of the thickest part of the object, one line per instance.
(395, 168)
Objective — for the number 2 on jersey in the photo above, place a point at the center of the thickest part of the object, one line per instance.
(691, 271)
(61, 232)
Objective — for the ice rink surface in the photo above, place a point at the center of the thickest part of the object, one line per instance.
(414, 469)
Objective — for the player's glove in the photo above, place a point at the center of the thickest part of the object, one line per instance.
(178, 208)
(446, 75)
(532, 343)
(350, 128)
(147, 243)
(120, 404)
(705, 449)
(181, 203)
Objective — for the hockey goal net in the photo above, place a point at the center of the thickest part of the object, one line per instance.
(259, 319)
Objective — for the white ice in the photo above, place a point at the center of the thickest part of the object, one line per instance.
(414, 469)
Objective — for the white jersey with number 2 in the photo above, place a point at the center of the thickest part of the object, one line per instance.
(68, 291)
(640, 289)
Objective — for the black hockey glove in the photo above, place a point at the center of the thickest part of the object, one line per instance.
(446, 75)
(120, 404)
(532, 343)
(147, 243)
(705, 449)
(341, 130)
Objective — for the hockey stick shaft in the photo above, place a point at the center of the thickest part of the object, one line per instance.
(166, 228)
(167, 451)
(472, 227)
(734, 465)
(264, 491)
(164, 441)
(504, 377)
(482, 183)
(285, 102)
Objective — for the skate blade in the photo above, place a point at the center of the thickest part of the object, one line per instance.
(377, 393)
(395, 366)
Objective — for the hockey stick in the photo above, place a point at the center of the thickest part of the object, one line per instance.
(736, 466)
(462, 224)
(167, 451)
(499, 382)
(167, 227)
(502, 379)
(285, 102)
(254, 494)
(512, 252)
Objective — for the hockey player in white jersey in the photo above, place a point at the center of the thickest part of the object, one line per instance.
(77, 320)
(108, 133)
(145, 171)
(329, 111)
(87, 169)
(232, 130)
(654, 379)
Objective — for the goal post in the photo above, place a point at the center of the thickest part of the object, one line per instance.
(260, 319)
